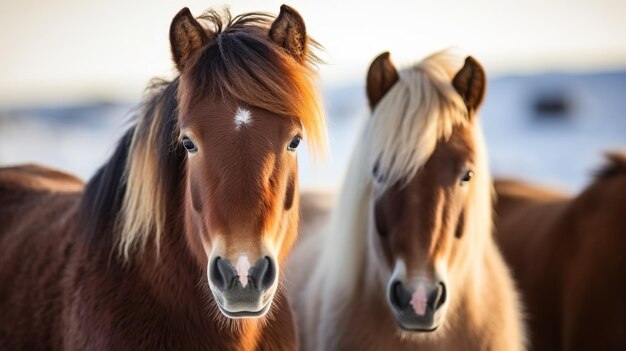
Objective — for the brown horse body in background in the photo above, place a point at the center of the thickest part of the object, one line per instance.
(189, 221)
(408, 261)
(568, 256)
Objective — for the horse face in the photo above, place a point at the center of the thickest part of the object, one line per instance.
(241, 187)
(418, 226)
(241, 192)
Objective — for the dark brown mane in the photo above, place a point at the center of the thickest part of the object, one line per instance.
(615, 166)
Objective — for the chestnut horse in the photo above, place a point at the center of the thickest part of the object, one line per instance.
(409, 262)
(178, 241)
(568, 255)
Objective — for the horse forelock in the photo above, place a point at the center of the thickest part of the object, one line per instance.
(419, 110)
(242, 64)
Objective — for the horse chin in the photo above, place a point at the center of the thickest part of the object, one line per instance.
(239, 307)
(246, 314)
(412, 332)
(411, 326)
(416, 329)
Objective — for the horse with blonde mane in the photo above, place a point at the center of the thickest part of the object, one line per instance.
(408, 261)
(568, 255)
(179, 240)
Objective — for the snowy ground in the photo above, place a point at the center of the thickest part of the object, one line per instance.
(559, 148)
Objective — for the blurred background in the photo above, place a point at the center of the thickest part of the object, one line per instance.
(72, 70)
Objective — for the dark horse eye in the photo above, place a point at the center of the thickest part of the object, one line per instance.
(467, 177)
(379, 175)
(189, 145)
(294, 143)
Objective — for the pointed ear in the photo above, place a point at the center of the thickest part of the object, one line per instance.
(381, 76)
(470, 83)
(289, 32)
(186, 37)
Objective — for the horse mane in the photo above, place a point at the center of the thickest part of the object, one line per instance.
(148, 148)
(615, 165)
(129, 196)
(419, 110)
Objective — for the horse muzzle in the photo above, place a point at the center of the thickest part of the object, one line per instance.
(241, 290)
(419, 308)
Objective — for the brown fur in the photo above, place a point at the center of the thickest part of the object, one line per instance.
(568, 256)
(287, 32)
(33, 177)
(187, 37)
(471, 83)
(122, 263)
(381, 76)
(437, 226)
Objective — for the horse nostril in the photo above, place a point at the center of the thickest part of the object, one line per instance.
(444, 294)
(221, 273)
(270, 274)
(263, 274)
(437, 297)
(399, 296)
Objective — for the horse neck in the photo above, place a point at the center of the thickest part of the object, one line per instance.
(169, 263)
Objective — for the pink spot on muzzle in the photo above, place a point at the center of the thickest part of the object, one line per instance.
(242, 267)
(419, 300)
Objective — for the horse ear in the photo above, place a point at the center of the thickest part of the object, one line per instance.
(470, 83)
(186, 37)
(381, 76)
(289, 32)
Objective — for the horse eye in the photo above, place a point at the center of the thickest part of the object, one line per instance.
(189, 145)
(294, 143)
(467, 177)
(375, 170)
(376, 173)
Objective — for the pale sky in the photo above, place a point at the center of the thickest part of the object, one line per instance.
(58, 51)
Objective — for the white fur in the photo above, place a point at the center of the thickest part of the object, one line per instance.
(242, 267)
(243, 117)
